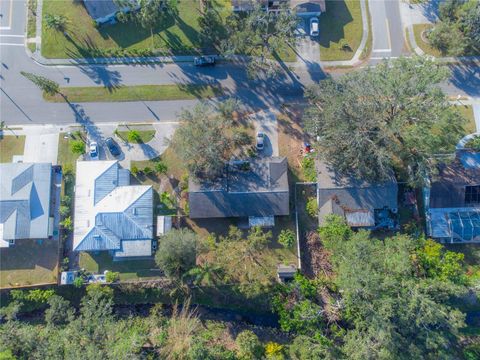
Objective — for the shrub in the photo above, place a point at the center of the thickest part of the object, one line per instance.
(134, 136)
(473, 143)
(78, 282)
(309, 171)
(286, 238)
(312, 207)
(161, 168)
(67, 223)
(112, 276)
(64, 210)
(249, 347)
(77, 147)
(134, 170)
(147, 170)
(274, 350)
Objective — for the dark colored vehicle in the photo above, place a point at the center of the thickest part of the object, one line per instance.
(204, 61)
(112, 146)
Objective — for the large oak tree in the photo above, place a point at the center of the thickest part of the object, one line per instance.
(392, 115)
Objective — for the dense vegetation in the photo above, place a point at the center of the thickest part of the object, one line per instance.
(392, 116)
(396, 298)
(458, 31)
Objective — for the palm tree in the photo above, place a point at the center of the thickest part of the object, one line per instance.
(56, 22)
(206, 274)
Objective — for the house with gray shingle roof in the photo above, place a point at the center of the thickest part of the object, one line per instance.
(104, 11)
(24, 201)
(452, 199)
(255, 189)
(110, 214)
(361, 203)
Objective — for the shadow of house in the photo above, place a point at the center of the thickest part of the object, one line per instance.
(363, 204)
(333, 21)
(466, 76)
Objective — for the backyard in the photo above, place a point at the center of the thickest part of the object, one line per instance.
(177, 34)
(341, 30)
(128, 269)
(11, 145)
(29, 262)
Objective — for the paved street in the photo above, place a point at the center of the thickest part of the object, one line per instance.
(22, 103)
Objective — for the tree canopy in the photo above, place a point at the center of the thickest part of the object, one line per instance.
(176, 253)
(260, 34)
(458, 31)
(391, 116)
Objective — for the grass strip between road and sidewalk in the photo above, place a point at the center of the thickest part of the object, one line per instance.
(134, 93)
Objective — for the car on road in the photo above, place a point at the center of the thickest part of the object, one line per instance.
(204, 61)
(313, 26)
(260, 140)
(93, 150)
(112, 146)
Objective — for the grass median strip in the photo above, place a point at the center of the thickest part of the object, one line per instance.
(135, 93)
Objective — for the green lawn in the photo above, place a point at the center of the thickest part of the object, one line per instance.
(178, 34)
(29, 262)
(342, 22)
(145, 135)
(128, 269)
(11, 145)
(135, 93)
(467, 112)
(65, 155)
(418, 29)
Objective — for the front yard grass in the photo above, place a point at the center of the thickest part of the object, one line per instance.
(340, 24)
(11, 145)
(467, 112)
(177, 34)
(135, 93)
(66, 158)
(128, 269)
(32, 19)
(144, 135)
(29, 262)
(418, 29)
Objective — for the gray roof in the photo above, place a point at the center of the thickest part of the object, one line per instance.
(448, 186)
(350, 197)
(25, 200)
(260, 191)
(108, 211)
(98, 9)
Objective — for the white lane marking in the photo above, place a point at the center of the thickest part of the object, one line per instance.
(18, 36)
(382, 50)
(10, 44)
(388, 34)
(5, 27)
(381, 58)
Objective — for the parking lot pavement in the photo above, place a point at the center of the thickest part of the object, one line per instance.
(41, 148)
(266, 122)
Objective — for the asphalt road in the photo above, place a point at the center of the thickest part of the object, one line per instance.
(22, 103)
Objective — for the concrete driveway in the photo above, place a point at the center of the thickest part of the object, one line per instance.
(129, 152)
(41, 148)
(266, 122)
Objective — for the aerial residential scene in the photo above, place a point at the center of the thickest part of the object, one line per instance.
(240, 179)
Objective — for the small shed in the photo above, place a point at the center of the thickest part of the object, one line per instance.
(164, 225)
(286, 273)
